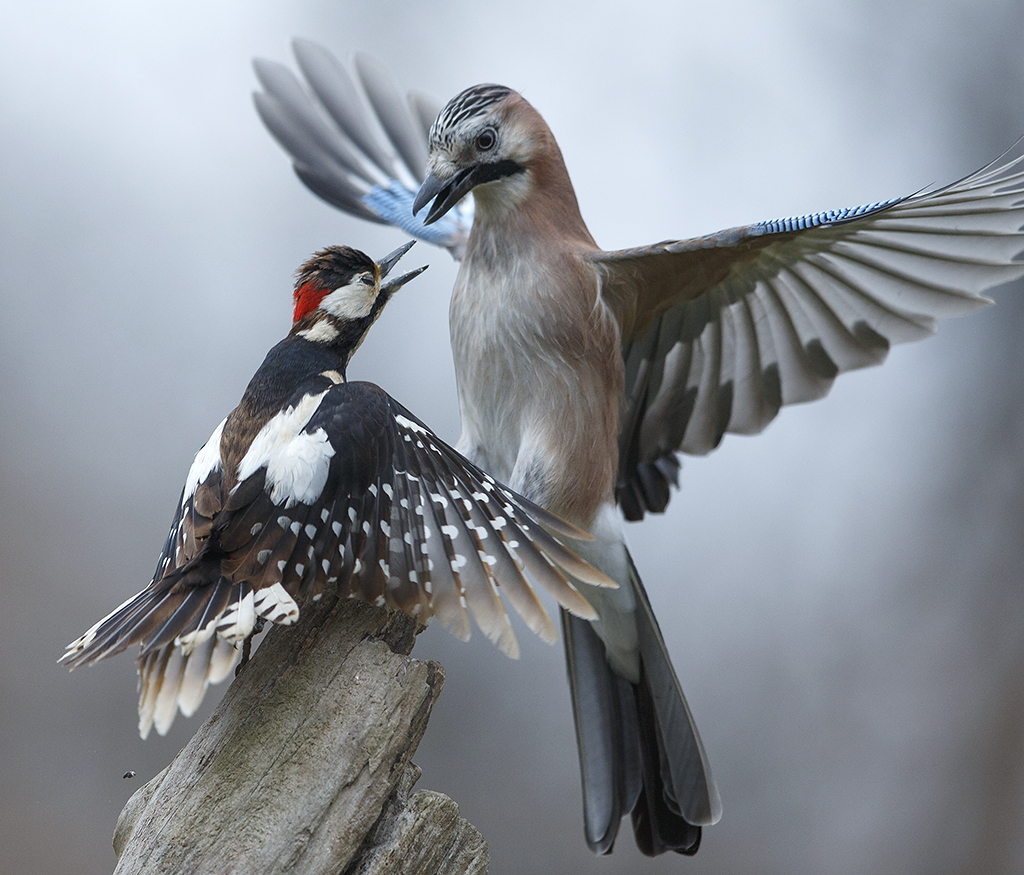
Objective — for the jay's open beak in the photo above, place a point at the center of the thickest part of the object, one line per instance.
(447, 193)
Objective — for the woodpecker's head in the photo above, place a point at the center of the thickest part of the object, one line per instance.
(338, 295)
(487, 138)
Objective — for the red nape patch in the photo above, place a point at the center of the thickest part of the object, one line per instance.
(307, 299)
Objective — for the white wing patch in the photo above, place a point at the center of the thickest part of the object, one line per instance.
(297, 462)
(405, 422)
(206, 461)
(238, 620)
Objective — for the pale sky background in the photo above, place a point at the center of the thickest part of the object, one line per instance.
(842, 595)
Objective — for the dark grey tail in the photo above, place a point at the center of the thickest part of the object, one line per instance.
(640, 753)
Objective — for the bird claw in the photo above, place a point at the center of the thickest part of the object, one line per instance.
(247, 644)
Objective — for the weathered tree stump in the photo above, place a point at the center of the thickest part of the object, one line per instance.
(305, 766)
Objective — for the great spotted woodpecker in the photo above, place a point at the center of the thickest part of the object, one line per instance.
(314, 482)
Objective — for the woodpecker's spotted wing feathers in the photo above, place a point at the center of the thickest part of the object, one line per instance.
(364, 155)
(355, 493)
(437, 521)
(730, 327)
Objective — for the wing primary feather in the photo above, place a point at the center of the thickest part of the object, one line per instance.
(518, 534)
(803, 377)
(509, 572)
(355, 141)
(544, 517)
(482, 601)
(847, 348)
(706, 426)
(447, 598)
(489, 526)
(426, 109)
(337, 93)
(297, 119)
(393, 113)
(126, 629)
(205, 623)
(179, 621)
(751, 410)
(336, 190)
(893, 323)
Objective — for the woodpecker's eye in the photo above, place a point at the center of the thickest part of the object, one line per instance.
(366, 279)
(486, 139)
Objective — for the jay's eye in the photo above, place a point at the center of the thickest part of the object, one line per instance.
(486, 139)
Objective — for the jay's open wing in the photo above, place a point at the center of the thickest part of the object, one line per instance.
(344, 488)
(362, 148)
(721, 331)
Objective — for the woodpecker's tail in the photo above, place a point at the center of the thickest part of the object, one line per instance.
(188, 624)
(639, 749)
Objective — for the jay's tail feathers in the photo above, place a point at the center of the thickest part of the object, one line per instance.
(639, 749)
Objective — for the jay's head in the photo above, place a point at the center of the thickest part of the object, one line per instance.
(487, 138)
(339, 293)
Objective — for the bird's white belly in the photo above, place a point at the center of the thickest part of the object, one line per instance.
(538, 373)
(497, 388)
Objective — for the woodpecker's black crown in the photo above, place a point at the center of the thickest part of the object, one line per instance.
(334, 267)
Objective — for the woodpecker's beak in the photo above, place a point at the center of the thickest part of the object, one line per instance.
(395, 284)
(389, 261)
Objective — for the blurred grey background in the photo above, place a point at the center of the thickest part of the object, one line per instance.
(843, 594)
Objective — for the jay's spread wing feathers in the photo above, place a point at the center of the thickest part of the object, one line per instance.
(356, 494)
(364, 155)
(721, 331)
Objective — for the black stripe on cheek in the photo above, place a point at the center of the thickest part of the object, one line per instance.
(495, 170)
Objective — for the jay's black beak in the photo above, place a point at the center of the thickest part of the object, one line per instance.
(444, 193)
(447, 193)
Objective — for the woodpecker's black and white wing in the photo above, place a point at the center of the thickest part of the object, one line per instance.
(401, 519)
(342, 488)
(191, 618)
(360, 147)
(730, 327)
